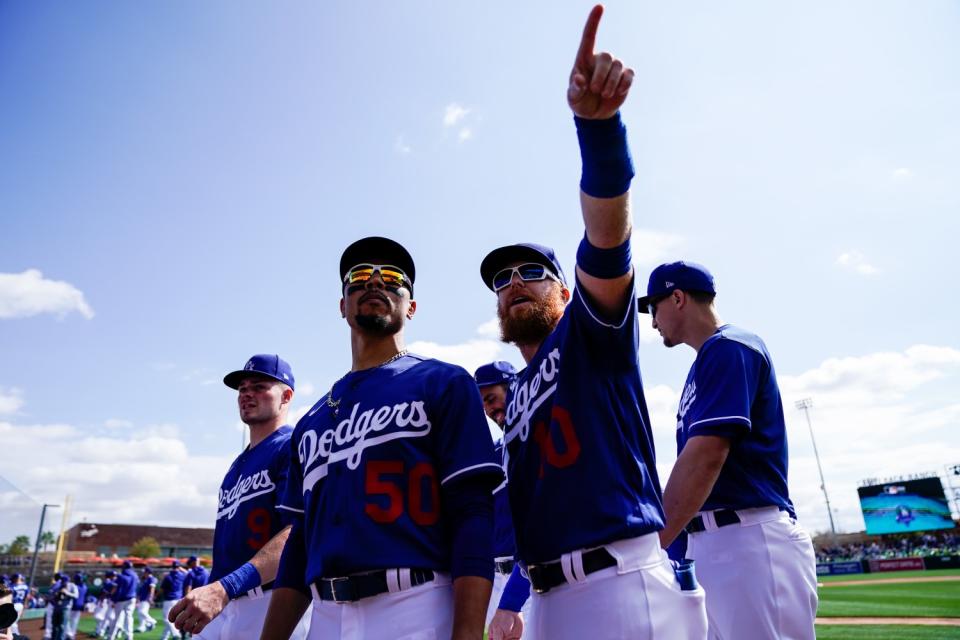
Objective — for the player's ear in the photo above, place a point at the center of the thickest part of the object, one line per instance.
(343, 308)
(411, 309)
(565, 293)
(286, 396)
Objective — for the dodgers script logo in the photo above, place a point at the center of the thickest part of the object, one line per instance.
(356, 433)
(528, 397)
(686, 400)
(247, 488)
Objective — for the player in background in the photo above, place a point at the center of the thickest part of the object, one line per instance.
(124, 601)
(78, 604)
(20, 591)
(197, 575)
(63, 595)
(582, 479)
(104, 613)
(728, 487)
(49, 607)
(172, 588)
(391, 480)
(494, 381)
(145, 593)
(250, 531)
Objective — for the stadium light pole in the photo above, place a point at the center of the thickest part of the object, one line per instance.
(804, 405)
(36, 547)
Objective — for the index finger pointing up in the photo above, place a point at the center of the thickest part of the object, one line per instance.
(590, 34)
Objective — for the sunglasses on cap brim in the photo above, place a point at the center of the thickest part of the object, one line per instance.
(528, 272)
(392, 276)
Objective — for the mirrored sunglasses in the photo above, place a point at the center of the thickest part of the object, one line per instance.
(392, 276)
(529, 272)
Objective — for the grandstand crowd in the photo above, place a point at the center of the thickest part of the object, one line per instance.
(916, 546)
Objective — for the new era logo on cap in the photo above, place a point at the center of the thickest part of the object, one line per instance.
(264, 364)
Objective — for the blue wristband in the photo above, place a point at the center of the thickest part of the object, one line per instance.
(607, 167)
(604, 263)
(241, 581)
(515, 592)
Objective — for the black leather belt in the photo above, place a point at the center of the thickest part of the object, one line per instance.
(505, 566)
(723, 517)
(364, 585)
(548, 575)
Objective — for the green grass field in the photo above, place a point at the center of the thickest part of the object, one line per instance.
(88, 624)
(918, 599)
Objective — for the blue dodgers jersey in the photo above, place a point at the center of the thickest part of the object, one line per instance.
(109, 587)
(367, 478)
(504, 546)
(81, 597)
(732, 391)
(127, 583)
(196, 577)
(20, 592)
(143, 592)
(580, 457)
(247, 515)
(172, 585)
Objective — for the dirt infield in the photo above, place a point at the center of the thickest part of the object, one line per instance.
(850, 583)
(942, 622)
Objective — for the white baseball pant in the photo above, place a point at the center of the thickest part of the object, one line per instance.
(146, 620)
(74, 623)
(15, 627)
(123, 610)
(242, 619)
(169, 631)
(424, 612)
(639, 598)
(760, 576)
(48, 622)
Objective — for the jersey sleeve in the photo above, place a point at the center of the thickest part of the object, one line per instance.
(613, 342)
(291, 572)
(281, 473)
(726, 384)
(463, 438)
(291, 499)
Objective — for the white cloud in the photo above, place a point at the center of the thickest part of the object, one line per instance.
(465, 134)
(453, 114)
(490, 329)
(10, 400)
(305, 389)
(873, 416)
(650, 248)
(401, 146)
(148, 477)
(29, 294)
(901, 174)
(855, 261)
(117, 423)
(469, 355)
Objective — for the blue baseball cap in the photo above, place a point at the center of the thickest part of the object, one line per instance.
(111, 573)
(521, 252)
(174, 563)
(682, 275)
(498, 372)
(191, 559)
(127, 564)
(264, 364)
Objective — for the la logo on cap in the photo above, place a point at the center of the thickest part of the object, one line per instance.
(249, 366)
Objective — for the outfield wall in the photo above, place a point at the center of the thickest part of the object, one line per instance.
(887, 564)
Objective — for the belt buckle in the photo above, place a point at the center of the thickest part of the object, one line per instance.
(333, 589)
(531, 569)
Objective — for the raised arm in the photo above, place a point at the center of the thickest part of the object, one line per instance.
(599, 84)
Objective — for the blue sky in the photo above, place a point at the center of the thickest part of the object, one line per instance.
(177, 181)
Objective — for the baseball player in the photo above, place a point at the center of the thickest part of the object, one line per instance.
(392, 481)
(104, 615)
(172, 587)
(494, 380)
(728, 487)
(582, 480)
(20, 591)
(250, 531)
(49, 607)
(124, 599)
(63, 595)
(197, 576)
(145, 593)
(78, 604)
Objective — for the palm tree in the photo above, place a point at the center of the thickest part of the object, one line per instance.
(47, 538)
